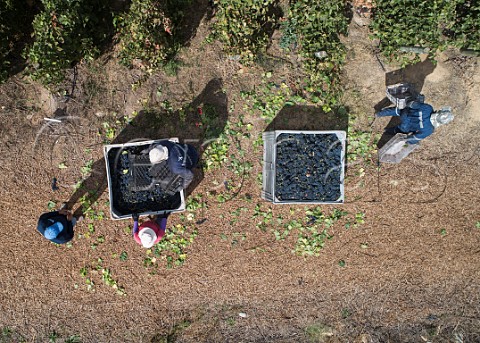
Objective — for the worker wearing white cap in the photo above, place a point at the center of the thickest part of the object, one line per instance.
(150, 232)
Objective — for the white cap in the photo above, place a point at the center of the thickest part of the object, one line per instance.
(158, 154)
(442, 117)
(147, 237)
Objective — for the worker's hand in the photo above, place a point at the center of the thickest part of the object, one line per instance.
(66, 213)
(410, 139)
(135, 217)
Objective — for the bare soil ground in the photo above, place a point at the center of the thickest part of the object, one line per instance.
(411, 270)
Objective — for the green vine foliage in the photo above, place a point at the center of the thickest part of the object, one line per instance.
(245, 26)
(413, 23)
(65, 32)
(145, 34)
(399, 23)
(6, 33)
(463, 27)
(318, 28)
(433, 24)
(15, 19)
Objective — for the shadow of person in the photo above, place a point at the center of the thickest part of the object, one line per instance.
(187, 26)
(185, 17)
(309, 118)
(414, 74)
(386, 136)
(187, 124)
(385, 102)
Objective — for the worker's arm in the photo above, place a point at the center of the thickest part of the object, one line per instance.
(135, 232)
(389, 112)
(187, 178)
(162, 222)
(135, 224)
(66, 213)
(420, 134)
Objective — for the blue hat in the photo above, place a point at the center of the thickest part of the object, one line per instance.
(53, 230)
(182, 157)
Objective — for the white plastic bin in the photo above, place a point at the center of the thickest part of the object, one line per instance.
(269, 191)
(112, 152)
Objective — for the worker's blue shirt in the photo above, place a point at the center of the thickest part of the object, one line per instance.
(181, 157)
(415, 121)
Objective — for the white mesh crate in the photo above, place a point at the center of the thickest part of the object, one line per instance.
(304, 167)
(119, 207)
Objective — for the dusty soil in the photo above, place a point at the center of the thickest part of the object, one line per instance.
(411, 270)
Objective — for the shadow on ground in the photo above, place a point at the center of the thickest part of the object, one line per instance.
(414, 74)
(309, 118)
(187, 26)
(185, 124)
(17, 33)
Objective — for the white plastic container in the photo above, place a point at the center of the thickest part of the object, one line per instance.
(396, 149)
(270, 159)
(115, 213)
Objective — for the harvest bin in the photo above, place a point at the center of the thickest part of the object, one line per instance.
(130, 188)
(304, 167)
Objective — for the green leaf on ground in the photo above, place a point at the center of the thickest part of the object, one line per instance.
(123, 256)
(51, 205)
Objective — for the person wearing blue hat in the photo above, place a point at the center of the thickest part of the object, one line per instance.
(57, 226)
